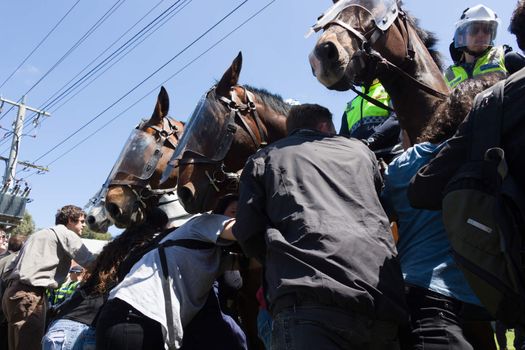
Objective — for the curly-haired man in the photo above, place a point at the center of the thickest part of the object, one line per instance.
(43, 262)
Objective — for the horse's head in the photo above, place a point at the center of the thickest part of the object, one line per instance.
(134, 183)
(353, 29)
(368, 39)
(97, 218)
(228, 125)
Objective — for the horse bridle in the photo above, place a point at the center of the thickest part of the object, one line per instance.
(366, 55)
(236, 112)
(163, 136)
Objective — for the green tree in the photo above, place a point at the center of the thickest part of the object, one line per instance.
(90, 234)
(26, 226)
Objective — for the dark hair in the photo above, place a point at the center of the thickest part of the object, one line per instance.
(15, 243)
(224, 202)
(68, 212)
(517, 24)
(307, 116)
(455, 108)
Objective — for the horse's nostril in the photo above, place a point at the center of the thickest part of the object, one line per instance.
(327, 51)
(185, 194)
(113, 209)
(91, 220)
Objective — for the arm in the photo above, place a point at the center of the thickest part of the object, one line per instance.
(227, 231)
(385, 135)
(252, 221)
(427, 186)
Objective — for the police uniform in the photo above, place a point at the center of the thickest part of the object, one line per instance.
(492, 61)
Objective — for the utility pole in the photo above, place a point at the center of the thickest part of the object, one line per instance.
(13, 197)
(10, 169)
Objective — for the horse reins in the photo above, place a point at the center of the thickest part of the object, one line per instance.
(163, 134)
(235, 113)
(367, 51)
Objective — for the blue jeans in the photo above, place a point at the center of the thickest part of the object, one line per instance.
(326, 327)
(65, 334)
(264, 328)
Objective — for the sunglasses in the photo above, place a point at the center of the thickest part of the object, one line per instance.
(475, 29)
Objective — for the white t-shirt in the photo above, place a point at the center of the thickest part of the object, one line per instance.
(191, 271)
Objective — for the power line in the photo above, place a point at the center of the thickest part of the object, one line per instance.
(157, 87)
(115, 62)
(39, 44)
(143, 81)
(90, 31)
(77, 44)
(149, 29)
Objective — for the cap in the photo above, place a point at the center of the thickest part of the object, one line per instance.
(76, 268)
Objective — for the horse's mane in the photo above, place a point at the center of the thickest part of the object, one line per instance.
(272, 100)
(429, 38)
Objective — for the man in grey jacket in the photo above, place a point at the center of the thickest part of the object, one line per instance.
(309, 209)
(43, 262)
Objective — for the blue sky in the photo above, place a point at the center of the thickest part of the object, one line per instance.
(275, 57)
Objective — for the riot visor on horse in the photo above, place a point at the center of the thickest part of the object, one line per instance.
(368, 39)
(230, 123)
(134, 182)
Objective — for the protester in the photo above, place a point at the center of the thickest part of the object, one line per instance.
(309, 209)
(43, 262)
(13, 247)
(437, 292)
(133, 317)
(3, 244)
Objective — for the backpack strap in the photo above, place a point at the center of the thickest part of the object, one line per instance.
(186, 243)
(487, 121)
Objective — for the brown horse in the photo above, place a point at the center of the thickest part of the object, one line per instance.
(134, 183)
(230, 123)
(367, 39)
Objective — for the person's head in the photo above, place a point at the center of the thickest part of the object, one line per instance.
(476, 30)
(517, 24)
(455, 108)
(227, 205)
(15, 243)
(310, 116)
(75, 273)
(72, 217)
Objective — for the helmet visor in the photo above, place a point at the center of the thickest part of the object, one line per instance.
(476, 35)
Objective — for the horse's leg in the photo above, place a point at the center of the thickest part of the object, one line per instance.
(249, 307)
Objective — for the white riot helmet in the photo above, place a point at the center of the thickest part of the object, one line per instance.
(477, 26)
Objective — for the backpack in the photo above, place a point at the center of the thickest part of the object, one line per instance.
(483, 214)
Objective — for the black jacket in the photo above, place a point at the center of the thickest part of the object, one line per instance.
(309, 207)
(426, 188)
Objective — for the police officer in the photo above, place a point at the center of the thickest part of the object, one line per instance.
(363, 120)
(473, 50)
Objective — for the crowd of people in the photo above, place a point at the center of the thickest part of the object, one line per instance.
(314, 210)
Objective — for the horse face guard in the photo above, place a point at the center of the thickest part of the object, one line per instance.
(191, 151)
(365, 62)
(139, 159)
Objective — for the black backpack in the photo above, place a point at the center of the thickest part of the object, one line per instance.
(483, 213)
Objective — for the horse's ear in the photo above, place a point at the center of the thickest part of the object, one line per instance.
(334, 1)
(162, 107)
(230, 77)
